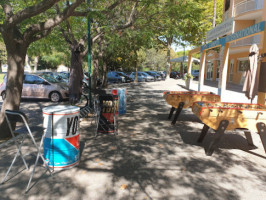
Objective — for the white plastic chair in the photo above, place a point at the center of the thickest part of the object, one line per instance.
(13, 117)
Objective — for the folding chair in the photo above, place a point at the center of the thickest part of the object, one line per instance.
(13, 117)
(85, 110)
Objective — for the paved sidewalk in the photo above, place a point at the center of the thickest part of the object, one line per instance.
(149, 159)
(233, 92)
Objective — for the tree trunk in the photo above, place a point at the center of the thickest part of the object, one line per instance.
(95, 72)
(136, 66)
(214, 13)
(16, 54)
(104, 73)
(136, 73)
(76, 76)
(168, 59)
(36, 61)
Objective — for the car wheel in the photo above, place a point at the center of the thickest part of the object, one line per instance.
(3, 95)
(55, 97)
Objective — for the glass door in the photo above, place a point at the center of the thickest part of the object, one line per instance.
(217, 70)
(231, 71)
(209, 71)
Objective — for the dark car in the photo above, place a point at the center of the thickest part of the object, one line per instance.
(154, 74)
(174, 75)
(114, 77)
(127, 78)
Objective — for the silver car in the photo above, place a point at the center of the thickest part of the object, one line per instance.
(40, 86)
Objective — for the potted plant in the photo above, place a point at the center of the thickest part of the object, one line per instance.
(188, 78)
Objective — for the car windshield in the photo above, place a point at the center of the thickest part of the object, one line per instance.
(65, 74)
(121, 74)
(49, 78)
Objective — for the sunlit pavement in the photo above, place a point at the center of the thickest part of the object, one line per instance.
(149, 159)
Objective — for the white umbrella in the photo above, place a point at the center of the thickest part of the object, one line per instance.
(251, 77)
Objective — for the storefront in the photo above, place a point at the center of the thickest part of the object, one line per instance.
(230, 67)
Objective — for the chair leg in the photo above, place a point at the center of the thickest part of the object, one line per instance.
(178, 111)
(218, 135)
(13, 161)
(262, 132)
(36, 161)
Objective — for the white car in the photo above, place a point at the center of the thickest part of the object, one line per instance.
(40, 86)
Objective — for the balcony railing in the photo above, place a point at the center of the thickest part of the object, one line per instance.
(247, 6)
(246, 42)
(220, 30)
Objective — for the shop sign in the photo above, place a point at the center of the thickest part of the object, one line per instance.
(256, 28)
(220, 30)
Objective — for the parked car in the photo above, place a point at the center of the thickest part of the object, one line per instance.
(40, 86)
(163, 74)
(59, 76)
(148, 77)
(141, 77)
(154, 74)
(99, 80)
(65, 77)
(127, 78)
(114, 77)
(195, 73)
(174, 75)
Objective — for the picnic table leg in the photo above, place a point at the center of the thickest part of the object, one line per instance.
(178, 111)
(203, 133)
(218, 135)
(248, 137)
(262, 132)
(171, 112)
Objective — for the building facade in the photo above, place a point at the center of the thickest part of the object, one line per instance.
(243, 25)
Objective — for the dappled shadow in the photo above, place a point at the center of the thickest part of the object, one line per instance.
(149, 158)
(184, 87)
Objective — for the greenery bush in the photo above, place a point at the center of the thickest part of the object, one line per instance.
(188, 75)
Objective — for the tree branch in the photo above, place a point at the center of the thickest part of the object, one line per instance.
(65, 36)
(40, 36)
(31, 11)
(52, 22)
(131, 19)
(7, 10)
(113, 6)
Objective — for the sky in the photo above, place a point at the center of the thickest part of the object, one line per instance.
(180, 48)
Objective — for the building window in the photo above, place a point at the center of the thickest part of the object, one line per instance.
(243, 65)
(227, 5)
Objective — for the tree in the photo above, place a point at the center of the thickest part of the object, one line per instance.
(2, 55)
(175, 22)
(23, 23)
(214, 13)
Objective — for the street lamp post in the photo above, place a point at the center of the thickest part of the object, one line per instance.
(89, 57)
(1, 55)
